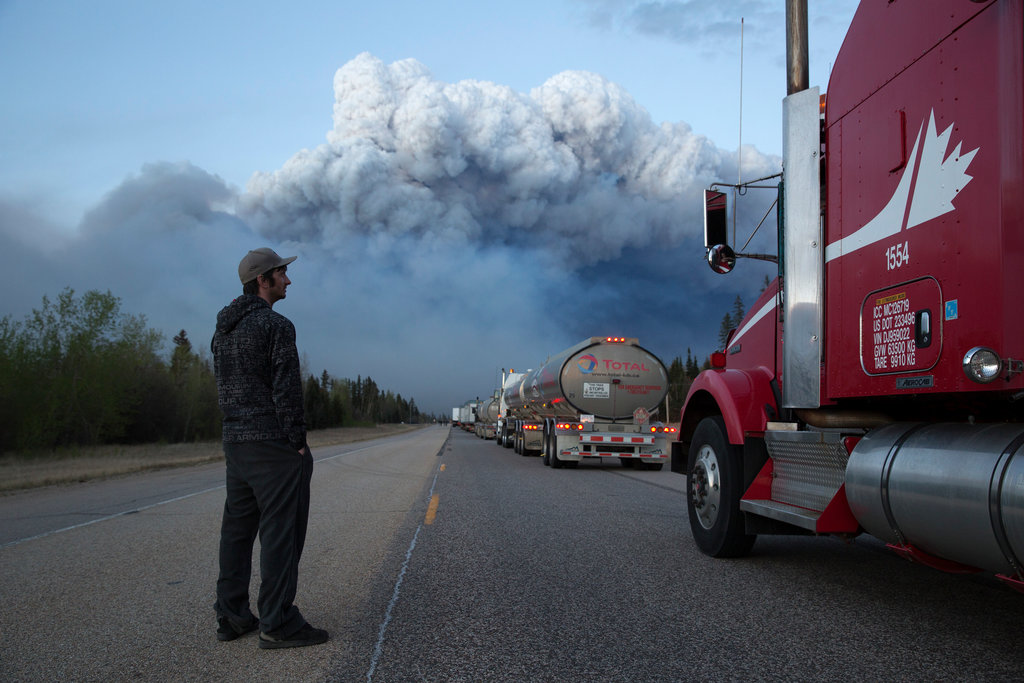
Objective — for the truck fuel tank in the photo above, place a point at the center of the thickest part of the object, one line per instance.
(955, 491)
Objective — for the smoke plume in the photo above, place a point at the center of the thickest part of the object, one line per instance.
(444, 231)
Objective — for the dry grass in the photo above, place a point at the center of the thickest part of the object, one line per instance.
(29, 470)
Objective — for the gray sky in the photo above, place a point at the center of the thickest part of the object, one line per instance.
(468, 186)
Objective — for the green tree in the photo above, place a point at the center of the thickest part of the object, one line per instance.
(692, 370)
(737, 311)
(78, 360)
(197, 415)
(314, 403)
(679, 384)
(724, 329)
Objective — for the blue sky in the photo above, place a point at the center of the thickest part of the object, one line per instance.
(94, 92)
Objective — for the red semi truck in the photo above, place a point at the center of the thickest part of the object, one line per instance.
(877, 385)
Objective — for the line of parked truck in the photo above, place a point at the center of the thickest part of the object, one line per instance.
(876, 385)
(597, 399)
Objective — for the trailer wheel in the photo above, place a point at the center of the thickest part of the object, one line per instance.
(556, 462)
(714, 486)
(546, 445)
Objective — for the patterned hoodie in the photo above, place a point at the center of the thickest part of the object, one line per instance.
(259, 384)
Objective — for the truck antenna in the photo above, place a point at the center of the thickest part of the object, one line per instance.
(739, 152)
(739, 148)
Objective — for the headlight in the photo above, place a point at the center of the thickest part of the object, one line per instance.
(982, 364)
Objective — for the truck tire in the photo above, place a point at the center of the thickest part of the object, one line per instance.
(545, 456)
(556, 462)
(714, 486)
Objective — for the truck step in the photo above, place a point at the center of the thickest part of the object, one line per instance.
(790, 514)
(809, 467)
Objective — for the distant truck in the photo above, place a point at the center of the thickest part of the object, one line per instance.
(505, 426)
(486, 418)
(594, 400)
(467, 415)
(456, 412)
(523, 427)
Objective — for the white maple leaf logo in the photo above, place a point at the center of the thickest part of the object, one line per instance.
(939, 179)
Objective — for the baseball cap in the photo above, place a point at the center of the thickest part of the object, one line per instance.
(260, 261)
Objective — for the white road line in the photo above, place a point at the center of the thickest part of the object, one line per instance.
(379, 647)
(108, 517)
(146, 507)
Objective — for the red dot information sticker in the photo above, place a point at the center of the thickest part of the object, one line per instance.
(900, 328)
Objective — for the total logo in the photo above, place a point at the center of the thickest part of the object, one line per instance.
(587, 364)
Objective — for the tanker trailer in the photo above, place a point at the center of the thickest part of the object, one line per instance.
(526, 425)
(505, 426)
(486, 417)
(596, 400)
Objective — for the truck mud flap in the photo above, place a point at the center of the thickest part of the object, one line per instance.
(679, 455)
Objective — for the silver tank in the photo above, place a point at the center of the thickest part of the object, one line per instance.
(515, 395)
(487, 412)
(955, 491)
(607, 379)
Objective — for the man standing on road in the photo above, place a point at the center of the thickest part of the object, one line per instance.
(269, 465)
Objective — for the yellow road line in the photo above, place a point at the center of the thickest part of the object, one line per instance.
(432, 509)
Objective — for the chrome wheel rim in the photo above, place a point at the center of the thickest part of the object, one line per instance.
(706, 486)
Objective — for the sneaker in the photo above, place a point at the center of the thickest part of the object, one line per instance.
(307, 635)
(229, 630)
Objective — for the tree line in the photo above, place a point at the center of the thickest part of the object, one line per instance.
(682, 373)
(80, 372)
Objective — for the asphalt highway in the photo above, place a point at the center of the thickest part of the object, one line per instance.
(437, 556)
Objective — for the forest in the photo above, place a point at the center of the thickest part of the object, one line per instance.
(78, 371)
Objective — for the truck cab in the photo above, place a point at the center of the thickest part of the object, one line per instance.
(875, 384)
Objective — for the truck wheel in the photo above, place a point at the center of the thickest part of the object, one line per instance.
(627, 463)
(556, 462)
(714, 486)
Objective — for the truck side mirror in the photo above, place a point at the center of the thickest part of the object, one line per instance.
(715, 219)
(721, 258)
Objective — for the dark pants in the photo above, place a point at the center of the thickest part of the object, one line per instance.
(267, 492)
